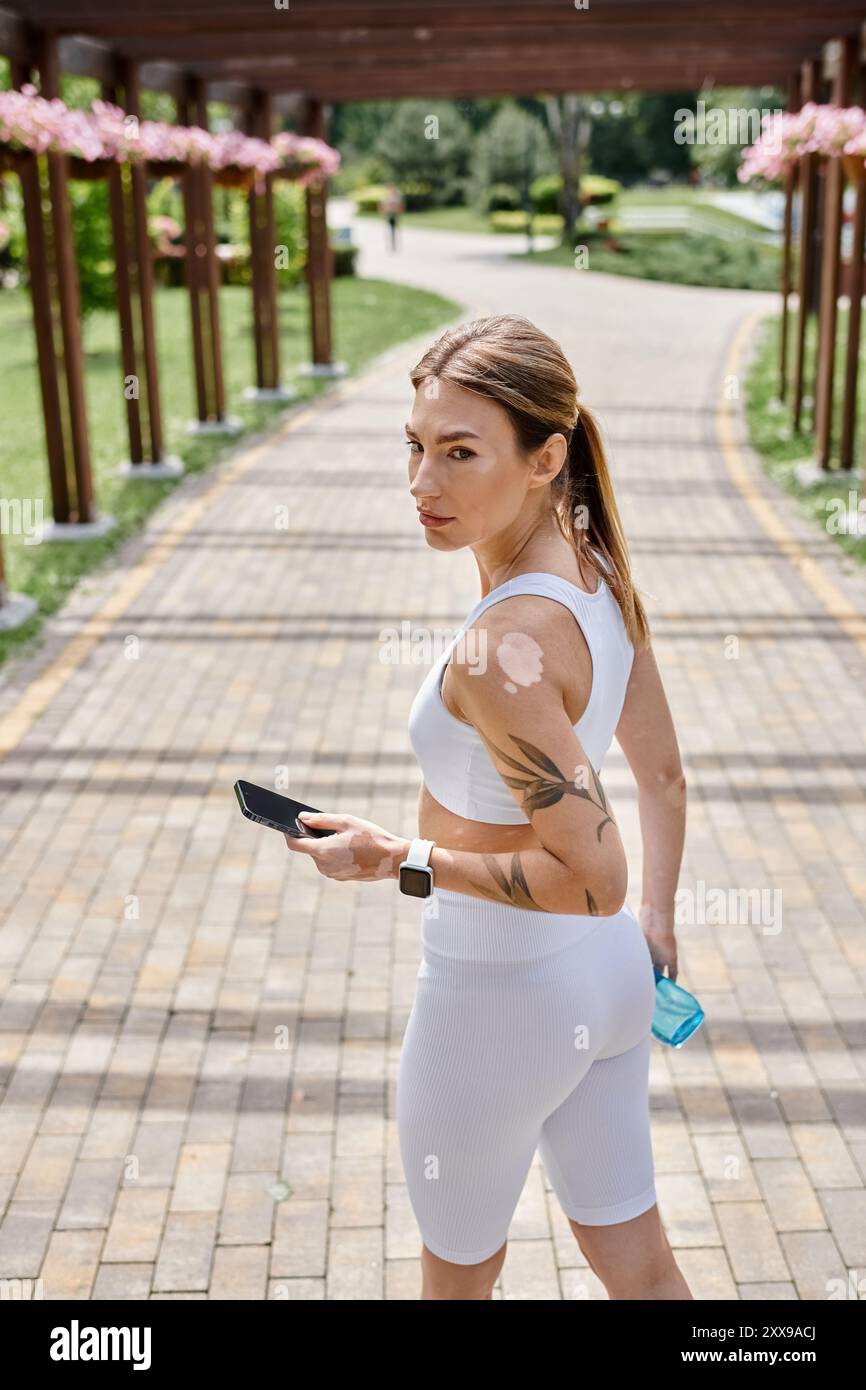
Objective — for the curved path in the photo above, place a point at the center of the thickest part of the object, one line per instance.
(191, 1016)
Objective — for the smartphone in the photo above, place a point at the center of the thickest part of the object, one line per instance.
(279, 812)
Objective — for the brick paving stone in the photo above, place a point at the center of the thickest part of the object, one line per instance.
(126, 1281)
(247, 1216)
(529, 1271)
(49, 1164)
(300, 1240)
(91, 1194)
(190, 1016)
(846, 1217)
(357, 1193)
(239, 1272)
(356, 1264)
(200, 1177)
(788, 1194)
(816, 1264)
(136, 1226)
(70, 1265)
(24, 1238)
(688, 1215)
(708, 1273)
(753, 1250)
(186, 1253)
(825, 1156)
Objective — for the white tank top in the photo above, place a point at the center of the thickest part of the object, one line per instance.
(454, 762)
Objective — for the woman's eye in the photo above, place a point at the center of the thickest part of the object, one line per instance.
(460, 449)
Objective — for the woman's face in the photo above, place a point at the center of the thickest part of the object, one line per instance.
(465, 464)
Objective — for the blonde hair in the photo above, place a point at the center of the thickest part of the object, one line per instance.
(509, 360)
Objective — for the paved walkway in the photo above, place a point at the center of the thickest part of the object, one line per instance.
(199, 1034)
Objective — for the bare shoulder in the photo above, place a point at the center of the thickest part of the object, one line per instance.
(525, 633)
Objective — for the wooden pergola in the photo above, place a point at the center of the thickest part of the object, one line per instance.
(268, 57)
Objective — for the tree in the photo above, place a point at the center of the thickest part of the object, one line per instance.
(569, 119)
(633, 133)
(514, 149)
(428, 143)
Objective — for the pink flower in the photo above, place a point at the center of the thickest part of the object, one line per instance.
(29, 121)
(814, 129)
(313, 158)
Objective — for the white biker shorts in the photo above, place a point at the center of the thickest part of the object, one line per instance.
(528, 1030)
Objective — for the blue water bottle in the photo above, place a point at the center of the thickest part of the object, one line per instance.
(677, 1013)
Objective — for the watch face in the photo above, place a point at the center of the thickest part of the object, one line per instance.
(418, 883)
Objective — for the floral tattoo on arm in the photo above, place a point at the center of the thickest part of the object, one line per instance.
(542, 784)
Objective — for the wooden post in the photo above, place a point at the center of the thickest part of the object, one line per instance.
(807, 174)
(50, 366)
(832, 222)
(262, 249)
(319, 255)
(202, 268)
(120, 235)
(790, 177)
(143, 269)
(56, 311)
(855, 314)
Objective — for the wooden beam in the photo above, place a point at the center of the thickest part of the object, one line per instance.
(165, 17)
(292, 47)
(353, 51)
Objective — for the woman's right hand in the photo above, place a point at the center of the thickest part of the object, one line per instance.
(658, 929)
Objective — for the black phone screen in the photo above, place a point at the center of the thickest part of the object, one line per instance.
(280, 812)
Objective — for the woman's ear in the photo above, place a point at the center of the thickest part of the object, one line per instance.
(551, 457)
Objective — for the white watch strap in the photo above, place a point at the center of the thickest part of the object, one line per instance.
(419, 853)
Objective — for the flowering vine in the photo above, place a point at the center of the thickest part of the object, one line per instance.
(814, 129)
(29, 121)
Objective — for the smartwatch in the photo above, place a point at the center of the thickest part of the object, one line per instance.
(416, 876)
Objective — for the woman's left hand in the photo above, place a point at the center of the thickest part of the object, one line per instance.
(360, 849)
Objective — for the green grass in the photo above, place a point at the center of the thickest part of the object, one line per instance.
(678, 195)
(368, 317)
(779, 446)
(676, 257)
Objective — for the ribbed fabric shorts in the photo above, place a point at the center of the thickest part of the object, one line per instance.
(529, 1030)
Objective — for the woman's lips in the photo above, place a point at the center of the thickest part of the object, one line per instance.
(428, 519)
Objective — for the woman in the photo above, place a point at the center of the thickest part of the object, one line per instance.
(534, 999)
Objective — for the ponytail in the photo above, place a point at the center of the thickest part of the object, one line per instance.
(589, 518)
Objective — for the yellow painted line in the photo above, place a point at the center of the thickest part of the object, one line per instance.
(837, 604)
(43, 688)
